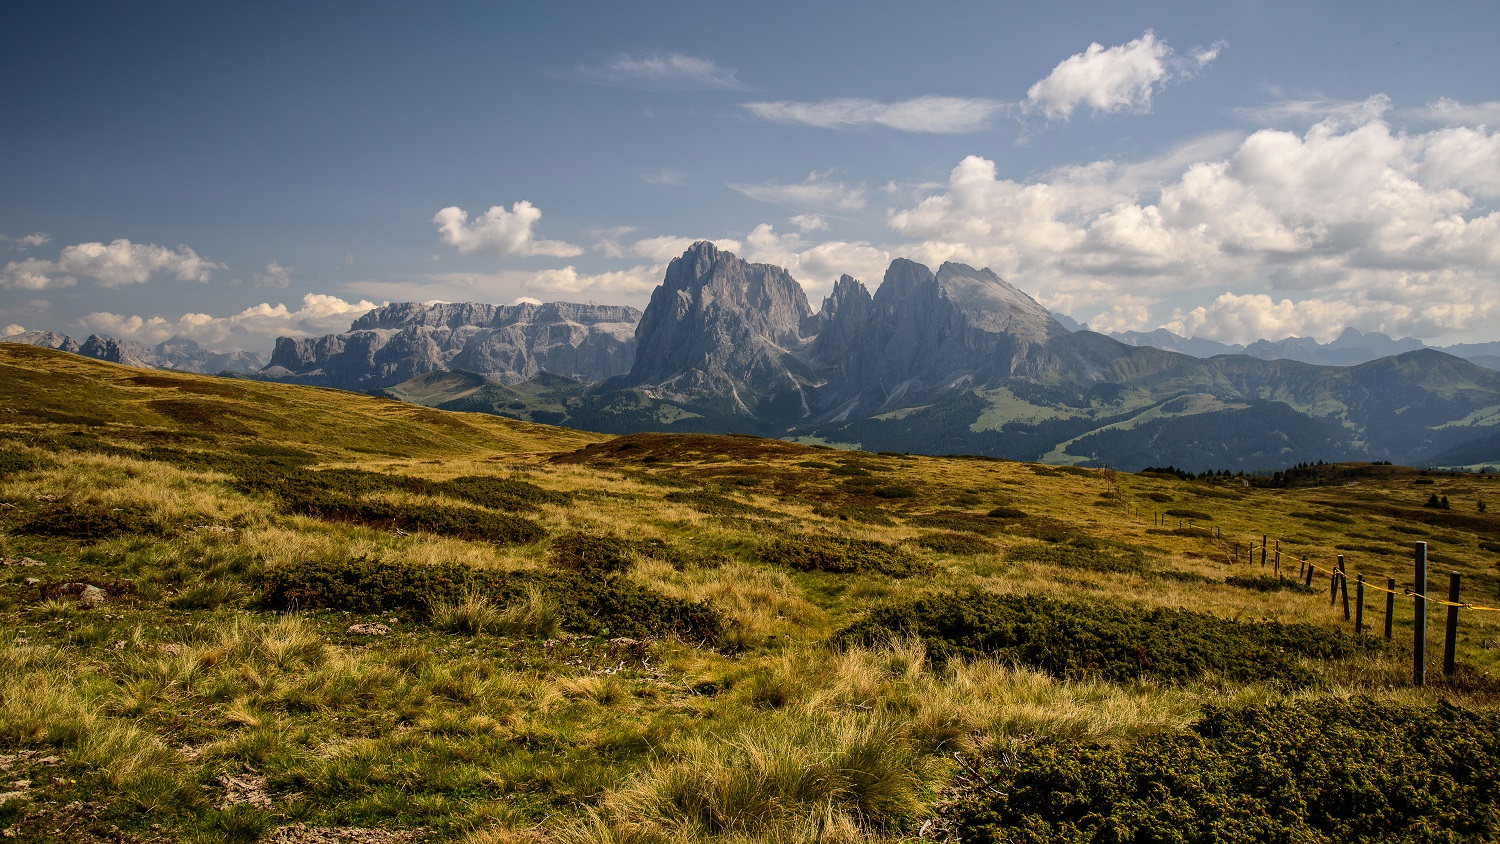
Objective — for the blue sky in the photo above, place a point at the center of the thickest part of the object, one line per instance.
(1233, 170)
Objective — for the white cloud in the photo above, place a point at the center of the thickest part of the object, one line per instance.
(12, 329)
(938, 115)
(25, 242)
(1453, 112)
(274, 275)
(499, 233)
(673, 71)
(816, 266)
(255, 328)
(626, 286)
(115, 264)
(1386, 225)
(809, 223)
(1317, 110)
(818, 191)
(34, 274)
(121, 262)
(1111, 79)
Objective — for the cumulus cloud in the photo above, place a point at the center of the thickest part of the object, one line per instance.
(12, 329)
(254, 328)
(657, 72)
(499, 233)
(938, 115)
(1111, 79)
(819, 191)
(115, 264)
(1385, 224)
(809, 222)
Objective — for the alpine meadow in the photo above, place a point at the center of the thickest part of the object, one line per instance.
(238, 611)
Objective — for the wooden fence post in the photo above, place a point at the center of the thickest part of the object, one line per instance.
(1359, 604)
(1263, 539)
(1333, 581)
(1390, 605)
(1419, 621)
(1450, 643)
(1308, 584)
(1344, 586)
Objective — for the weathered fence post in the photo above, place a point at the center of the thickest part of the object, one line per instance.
(1419, 620)
(1263, 539)
(1390, 605)
(1333, 581)
(1359, 604)
(1450, 643)
(1344, 586)
(1309, 568)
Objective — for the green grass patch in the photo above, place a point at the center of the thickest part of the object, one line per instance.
(1325, 770)
(1068, 639)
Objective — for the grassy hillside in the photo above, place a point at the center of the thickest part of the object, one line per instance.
(234, 611)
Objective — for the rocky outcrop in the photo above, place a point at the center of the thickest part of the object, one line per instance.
(509, 343)
(721, 327)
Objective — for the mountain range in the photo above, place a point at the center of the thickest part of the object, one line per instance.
(955, 360)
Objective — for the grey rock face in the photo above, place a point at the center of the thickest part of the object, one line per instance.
(923, 330)
(720, 325)
(510, 343)
(45, 339)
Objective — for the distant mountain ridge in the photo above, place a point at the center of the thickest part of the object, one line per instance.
(178, 353)
(1350, 348)
(509, 343)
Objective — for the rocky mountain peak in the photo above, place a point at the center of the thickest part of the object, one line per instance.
(714, 316)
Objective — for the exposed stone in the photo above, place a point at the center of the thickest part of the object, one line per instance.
(374, 628)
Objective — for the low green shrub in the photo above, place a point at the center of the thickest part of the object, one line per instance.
(1007, 513)
(841, 555)
(1116, 643)
(497, 493)
(1321, 516)
(1082, 552)
(954, 543)
(895, 492)
(470, 523)
(581, 601)
(93, 522)
(1267, 583)
(582, 552)
(1327, 770)
(1183, 513)
(958, 520)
